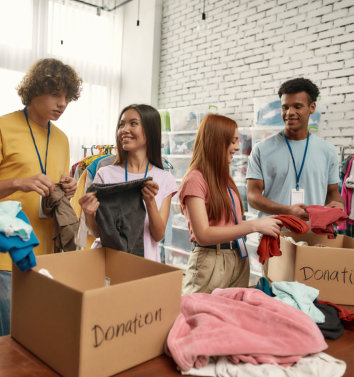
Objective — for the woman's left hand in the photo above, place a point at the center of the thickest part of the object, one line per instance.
(149, 191)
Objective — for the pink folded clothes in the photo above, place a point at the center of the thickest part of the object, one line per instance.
(322, 219)
(244, 324)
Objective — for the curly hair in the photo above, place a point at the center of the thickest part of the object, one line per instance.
(48, 76)
(300, 85)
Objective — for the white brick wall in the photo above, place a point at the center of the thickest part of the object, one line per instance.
(250, 47)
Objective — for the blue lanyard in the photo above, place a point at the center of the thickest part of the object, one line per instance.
(233, 204)
(240, 242)
(126, 170)
(292, 156)
(44, 171)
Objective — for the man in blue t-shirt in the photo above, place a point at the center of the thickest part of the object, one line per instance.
(294, 169)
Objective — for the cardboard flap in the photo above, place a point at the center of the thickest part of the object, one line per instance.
(121, 267)
(81, 270)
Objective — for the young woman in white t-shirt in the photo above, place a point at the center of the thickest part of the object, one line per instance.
(138, 138)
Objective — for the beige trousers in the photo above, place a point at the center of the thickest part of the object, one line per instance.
(208, 269)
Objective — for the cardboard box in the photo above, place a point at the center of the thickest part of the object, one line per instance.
(329, 269)
(79, 326)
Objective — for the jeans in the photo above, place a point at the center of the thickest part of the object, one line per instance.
(5, 303)
(121, 215)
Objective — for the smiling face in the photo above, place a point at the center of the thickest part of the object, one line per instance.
(47, 107)
(131, 135)
(233, 147)
(296, 111)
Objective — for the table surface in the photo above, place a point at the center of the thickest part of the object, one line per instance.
(16, 361)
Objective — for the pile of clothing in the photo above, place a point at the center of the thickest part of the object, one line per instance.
(244, 331)
(16, 235)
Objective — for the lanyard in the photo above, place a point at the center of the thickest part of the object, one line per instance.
(240, 242)
(292, 156)
(44, 171)
(233, 204)
(126, 170)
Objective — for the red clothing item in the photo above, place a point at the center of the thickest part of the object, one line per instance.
(323, 218)
(346, 316)
(270, 246)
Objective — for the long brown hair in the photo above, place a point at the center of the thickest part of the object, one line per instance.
(213, 138)
(151, 122)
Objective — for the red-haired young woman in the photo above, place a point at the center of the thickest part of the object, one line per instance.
(213, 209)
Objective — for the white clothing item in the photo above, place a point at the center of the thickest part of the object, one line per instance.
(317, 365)
(45, 272)
(167, 186)
(298, 243)
(349, 183)
(83, 231)
(10, 225)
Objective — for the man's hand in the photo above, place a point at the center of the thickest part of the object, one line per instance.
(39, 183)
(299, 210)
(335, 204)
(69, 185)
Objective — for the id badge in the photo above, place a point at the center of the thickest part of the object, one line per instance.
(297, 196)
(241, 246)
(41, 213)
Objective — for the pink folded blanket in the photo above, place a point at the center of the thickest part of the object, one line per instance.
(243, 324)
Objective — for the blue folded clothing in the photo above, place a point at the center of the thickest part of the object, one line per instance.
(21, 252)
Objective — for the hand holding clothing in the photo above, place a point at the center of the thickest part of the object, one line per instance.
(149, 191)
(89, 204)
(270, 226)
(39, 183)
(69, 185)
(299, 210)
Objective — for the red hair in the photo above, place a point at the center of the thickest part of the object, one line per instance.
(210, 157)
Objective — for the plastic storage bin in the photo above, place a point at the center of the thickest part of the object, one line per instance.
(187, 118)
(176, 258)
(165, 120)
(245, 140)
(238, 168)
(165, 143)
(261, 133)
(180, 165)
(181, 143)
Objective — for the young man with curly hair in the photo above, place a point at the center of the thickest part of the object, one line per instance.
(34, 155)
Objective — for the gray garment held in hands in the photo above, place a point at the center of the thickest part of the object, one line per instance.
(65, 221)
(121, 215)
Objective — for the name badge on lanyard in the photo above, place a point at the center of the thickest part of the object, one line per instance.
(240, 242)
(297, 194)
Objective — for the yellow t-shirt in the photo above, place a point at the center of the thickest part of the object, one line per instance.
(18, 158)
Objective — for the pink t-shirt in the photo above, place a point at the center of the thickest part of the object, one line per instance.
(194, 184)
(167, 186)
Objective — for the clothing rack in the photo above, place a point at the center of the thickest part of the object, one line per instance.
(101, 148)
(342, 152)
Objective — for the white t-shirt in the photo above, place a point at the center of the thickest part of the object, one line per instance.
(167, 186)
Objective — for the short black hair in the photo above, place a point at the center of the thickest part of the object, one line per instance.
(300, 85)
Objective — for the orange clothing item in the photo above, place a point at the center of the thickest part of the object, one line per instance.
(270, 246)
(323, 218)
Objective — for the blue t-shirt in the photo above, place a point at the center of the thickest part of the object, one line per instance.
(271, 162)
